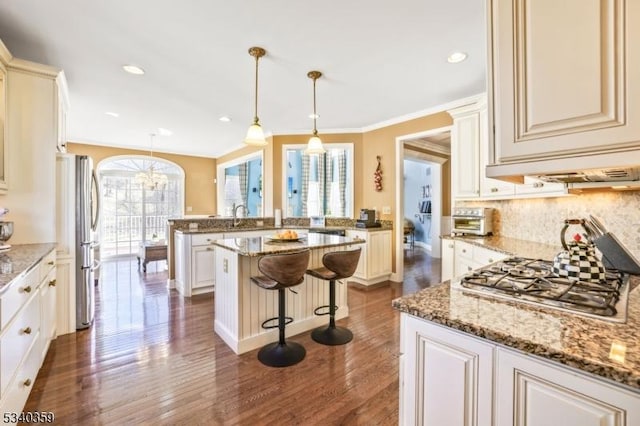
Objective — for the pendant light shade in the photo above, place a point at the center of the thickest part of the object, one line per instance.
(314, 146)
(149, 178)
(255, 135)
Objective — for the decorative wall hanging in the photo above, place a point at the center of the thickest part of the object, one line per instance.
(377, 175)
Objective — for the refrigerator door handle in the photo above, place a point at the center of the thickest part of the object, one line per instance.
(96, 185)
(96, 264)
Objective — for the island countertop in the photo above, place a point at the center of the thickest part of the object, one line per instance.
(607, 349)
(259, 246)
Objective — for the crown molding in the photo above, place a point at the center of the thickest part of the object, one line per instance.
(34, 68)
(320, 132)
(5, 55)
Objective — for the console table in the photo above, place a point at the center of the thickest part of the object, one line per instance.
(150, 252)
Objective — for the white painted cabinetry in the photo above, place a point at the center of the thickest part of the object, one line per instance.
(535, 392)
(467, 257)
(447, 260)
(447, 376)
(27, 326)
(563, 82)
(452, 378)
(374, 265)
(195, 263)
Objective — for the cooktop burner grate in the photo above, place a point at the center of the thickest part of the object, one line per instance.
(533, 280)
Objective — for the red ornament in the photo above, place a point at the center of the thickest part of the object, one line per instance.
(377, 176)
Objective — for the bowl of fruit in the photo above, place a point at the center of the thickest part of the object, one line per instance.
(288, 235)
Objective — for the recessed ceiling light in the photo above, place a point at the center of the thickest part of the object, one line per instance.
(225, 119)
(312, 116)
(132, 69)
(456, 57)
(112, 114)
(164, 132)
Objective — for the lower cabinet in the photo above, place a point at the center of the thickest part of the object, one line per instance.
(375, 259)
(447, 261)
(27, 326)
(451, 378)
(459, 258)
(195, 263)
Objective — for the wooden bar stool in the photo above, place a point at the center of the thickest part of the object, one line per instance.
(281, 271)
(338, 265)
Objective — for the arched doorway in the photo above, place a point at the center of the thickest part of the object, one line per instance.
(134, 209)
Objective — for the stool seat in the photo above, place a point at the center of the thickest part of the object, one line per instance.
(337, 265)
(279, 272)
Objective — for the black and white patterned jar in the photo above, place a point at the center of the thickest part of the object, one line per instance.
(579, 261)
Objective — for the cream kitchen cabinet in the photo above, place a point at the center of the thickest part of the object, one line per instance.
(468, 257)
(562, 78)
(450, 377)
(535, 392)
(446, 376)
(27, 326)
(4, 159)
(374, 265)
(195, 263)
(447, 260)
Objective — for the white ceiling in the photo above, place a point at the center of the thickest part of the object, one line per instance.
(381, 60)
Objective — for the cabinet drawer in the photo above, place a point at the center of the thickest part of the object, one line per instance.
(16, 394)
(485, 256)
(17, 294)
(47, 264)
(204, 239)
(17, 339)
(464, 250)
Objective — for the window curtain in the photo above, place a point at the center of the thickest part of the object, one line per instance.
(342, 181)
(244, 181)
(305, 183)
(322, 190)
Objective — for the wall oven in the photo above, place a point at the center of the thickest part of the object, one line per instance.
(472, 221)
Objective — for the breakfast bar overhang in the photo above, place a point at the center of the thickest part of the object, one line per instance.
(241, 307)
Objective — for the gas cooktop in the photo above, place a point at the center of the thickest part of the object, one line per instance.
(533, 281)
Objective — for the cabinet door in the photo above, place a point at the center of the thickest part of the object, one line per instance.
(465, 146)
(562, 77)
(534, 392)
(182, 266)
(48, 311)
(361, 270)
(4, 142)
(490, 188)
(379, 252)
(65, 296)
(447, 259)
(202, 267)
(447, 376)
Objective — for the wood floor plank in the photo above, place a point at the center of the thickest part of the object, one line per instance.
(152, 357)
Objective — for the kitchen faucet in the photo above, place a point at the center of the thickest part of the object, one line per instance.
(236, 220)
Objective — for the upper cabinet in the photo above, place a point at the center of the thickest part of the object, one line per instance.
(563, 79)
(62, 100)
(5, 56)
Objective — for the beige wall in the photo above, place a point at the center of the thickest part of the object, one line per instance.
(200, 191)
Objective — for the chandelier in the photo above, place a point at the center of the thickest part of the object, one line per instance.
(151, 179)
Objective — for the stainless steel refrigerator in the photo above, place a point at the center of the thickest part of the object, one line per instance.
(87, 215)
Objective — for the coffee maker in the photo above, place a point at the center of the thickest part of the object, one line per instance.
(367, 219)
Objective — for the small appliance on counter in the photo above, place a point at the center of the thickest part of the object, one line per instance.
(472, 221)
(316, 222)
(367, 219)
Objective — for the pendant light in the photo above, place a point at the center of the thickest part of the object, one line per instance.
(255, 135)
(315, 144)
(150, 178)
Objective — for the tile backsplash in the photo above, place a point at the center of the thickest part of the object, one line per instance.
(542, 219)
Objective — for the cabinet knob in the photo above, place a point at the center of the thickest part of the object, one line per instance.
(538, 185)
(469, 268)
(490, 260)
(52, 283)
(51, 263)
(27, 382)
(27, 330)
(27, 289)
(450, 245)
(464, 250)
(209, 248)
(494, 189)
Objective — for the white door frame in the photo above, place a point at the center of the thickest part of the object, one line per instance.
(398, 275)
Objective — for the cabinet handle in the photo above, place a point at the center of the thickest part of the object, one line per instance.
(209, 248)
(27, 382)
(538, 185)
(27, 330)
(52, 283)
(450, 245)
(464, 250)
(469, 268)
(494, 189)
(27, 289)
(51, 262)
(490, 260)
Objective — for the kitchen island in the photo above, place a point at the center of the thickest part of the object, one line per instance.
(241, 306)
(503, 362)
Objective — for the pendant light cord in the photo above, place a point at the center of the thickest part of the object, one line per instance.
(255, 115)
(315, 131)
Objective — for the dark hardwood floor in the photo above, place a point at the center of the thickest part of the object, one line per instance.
(152, 357)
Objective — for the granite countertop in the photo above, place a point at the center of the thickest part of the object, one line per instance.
(512, 246)
(607, 349)
(259, 246)
(19, 259)
(214, 230)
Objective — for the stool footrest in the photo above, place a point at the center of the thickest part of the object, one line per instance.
(287, 320)
(316, 311)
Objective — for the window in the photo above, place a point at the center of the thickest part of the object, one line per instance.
(318, 185)
(131, 211)
(240, 183)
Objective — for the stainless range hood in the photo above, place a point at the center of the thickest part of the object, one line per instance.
(595, 172)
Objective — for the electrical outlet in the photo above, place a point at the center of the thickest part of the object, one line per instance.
(386, 210)
(259, 223)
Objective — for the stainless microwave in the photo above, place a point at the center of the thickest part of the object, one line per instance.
(472, 221)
